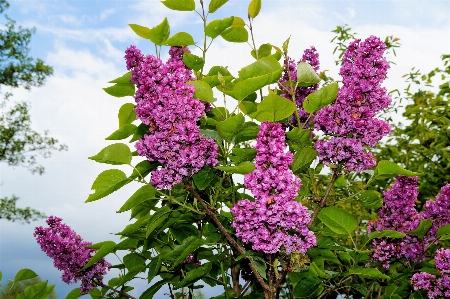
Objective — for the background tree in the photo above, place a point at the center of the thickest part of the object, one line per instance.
(20, 145)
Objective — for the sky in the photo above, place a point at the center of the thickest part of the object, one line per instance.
(85, 40)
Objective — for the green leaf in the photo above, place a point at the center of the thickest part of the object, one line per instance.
(193, 61)
(202, 91)
(142, 169)
(242, 154)
(116, 154)
(388, 168)
(160, 33)
(37, 291)
(132, 260)
(274, 108)
(321, 98)
(107, 248)
(306, 76)
(243, 88)
(144, 193)
(219, 69)
(130, 228)
(248, 131)
(228, 128)
(286, 45)
(204, 178)
(236, 33)
(216, 27)
(24, 274)
(307, 286)
(123, 132)
(106, 183)
(370, 199)
(443, 230)
(157, 219)
(120, 90)
(151, 291)
(422, 229)
(338, 220)
(260, 265)
(180, 233)
(300, 136)
(141, 130)
(254, 8)
(180, 39)
(215, 5)
(153, 268)
(124, 79)
(248, 108)
(303, 158)
(141, 31)
(74, 294)
(263, 66)
(194, 275)
(126, 114)
(243, 168)
(180, 252)
(387, 233)
(365, 272)
(181, 5)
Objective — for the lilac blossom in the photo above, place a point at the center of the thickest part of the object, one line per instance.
(353, 114)
(167, 105)
(274, 221)
(69, 252)
(398, 213)
(436, 286)
(290, 72)
(439, 211)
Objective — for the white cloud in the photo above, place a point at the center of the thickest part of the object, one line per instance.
(106, 13)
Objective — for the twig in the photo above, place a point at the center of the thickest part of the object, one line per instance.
(230, 239)
(324, 198)
(101, 284)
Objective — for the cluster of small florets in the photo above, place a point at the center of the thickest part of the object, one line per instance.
(290, 74)
(167, 105)
(351, 122)
(399, 213)
(274, 221)
(436, 287)
(69, 252)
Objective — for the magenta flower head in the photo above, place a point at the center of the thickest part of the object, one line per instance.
(167, 105)
(274, 221)
(350, 123)
(436, 286)
(69, 252)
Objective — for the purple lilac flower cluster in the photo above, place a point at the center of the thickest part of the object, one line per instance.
(351, 121)
(290, 72)
(399, 213)
(69, 252)
(436, 287)
(274, 220)
(167, 105)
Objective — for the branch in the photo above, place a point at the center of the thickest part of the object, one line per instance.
(324, 198)
(230, 239)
